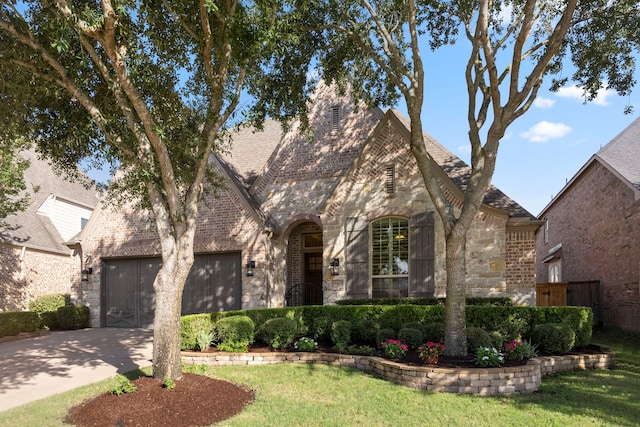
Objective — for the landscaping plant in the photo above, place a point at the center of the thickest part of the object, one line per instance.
(488, 357)
(394, 349)
(429, 352)
(306, 344)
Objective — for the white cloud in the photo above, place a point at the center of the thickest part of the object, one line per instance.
(544, 131)
(542, 102)
(578, 93)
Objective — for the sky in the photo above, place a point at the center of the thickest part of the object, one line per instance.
(541, 151)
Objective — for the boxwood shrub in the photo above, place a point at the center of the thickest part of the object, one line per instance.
(47, 308)
(553, 338)
(12, 323)
(278, 333)
(341, 335)
(191, 326)
(238, 331)
(73, 317)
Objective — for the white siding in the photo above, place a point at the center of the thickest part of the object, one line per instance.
(65, 216)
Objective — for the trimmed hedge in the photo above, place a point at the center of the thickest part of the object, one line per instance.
(491, 301)
(47, 308)
(73, 317)
(238, 329)
(12, 323)
(553, 338)
(278, 333)
(507, 320)
(191, 326)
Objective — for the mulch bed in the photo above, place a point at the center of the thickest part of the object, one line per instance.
(196, 400)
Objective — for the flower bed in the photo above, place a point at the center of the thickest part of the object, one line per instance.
(483, 381)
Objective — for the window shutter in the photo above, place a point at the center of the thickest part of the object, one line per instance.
(357, 258)
(422, 255)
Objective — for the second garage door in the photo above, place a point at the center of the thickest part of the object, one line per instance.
(128, 300)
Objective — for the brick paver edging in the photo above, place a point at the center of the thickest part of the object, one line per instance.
(483, 381)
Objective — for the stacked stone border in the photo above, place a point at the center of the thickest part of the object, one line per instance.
(481, 381)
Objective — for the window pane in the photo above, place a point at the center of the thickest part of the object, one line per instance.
(390, 247)
(392, 287)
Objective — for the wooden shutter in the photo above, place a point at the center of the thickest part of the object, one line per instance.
(422, 255)
(357, 258)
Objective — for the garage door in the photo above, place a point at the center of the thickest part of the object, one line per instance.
(214, 284)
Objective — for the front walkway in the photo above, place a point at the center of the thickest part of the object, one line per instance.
(39, 367)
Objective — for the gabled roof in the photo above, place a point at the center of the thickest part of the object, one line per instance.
(621, 156)
(30, 229)
(459, 172)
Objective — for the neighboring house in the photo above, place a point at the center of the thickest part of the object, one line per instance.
(34, 259)
(344, 215)
(591, 233)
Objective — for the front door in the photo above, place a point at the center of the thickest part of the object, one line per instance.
(313, 278)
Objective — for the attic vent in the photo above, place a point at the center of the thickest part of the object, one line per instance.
(390, 180)
(335, 118)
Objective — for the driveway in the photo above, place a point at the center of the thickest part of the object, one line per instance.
(38, 367)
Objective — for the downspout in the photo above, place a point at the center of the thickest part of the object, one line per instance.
(267, 277)
(21, 275)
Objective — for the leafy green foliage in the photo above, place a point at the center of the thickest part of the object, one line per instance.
(204, 339)
(365, 330)
(12, 184)
(476, 338)
(236, 329)
(383, 335)
(73, 317)
(411, 336)
(434, 331)
(553, 338)
(341, 335)
(278, 333)
(124, 386)
(47, 308)
(169, 384)
(191, 326)
(12, 323)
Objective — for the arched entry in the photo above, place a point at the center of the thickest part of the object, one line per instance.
(304, 265)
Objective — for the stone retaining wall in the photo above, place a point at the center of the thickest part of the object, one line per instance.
(482, 381)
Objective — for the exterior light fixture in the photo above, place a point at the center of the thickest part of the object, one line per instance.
(335, 266)
(251, 265)
(86, 273)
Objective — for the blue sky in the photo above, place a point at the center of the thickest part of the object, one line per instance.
(541, 150)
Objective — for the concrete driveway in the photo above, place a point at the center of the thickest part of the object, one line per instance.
(38, 367)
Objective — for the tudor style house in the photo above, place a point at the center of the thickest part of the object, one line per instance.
(591, 234)
(311, 221)
(34, 259)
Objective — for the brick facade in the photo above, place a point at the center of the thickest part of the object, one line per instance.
(597, 222)
(26, 274)
(314, 185)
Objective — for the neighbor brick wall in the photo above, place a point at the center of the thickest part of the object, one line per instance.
(26, 275)
(597, 221)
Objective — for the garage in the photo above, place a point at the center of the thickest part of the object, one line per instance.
(128, 300)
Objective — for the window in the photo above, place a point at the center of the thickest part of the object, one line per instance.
(390, 180)
(335, 118)
(546, 229)
(555, 272)
(312, 240)
(83, 222)
(389, 258)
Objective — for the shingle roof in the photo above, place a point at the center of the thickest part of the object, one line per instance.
(622, 153)
(459, 172)
(30, 229)
(251, 150)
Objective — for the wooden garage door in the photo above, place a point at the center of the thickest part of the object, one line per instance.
(214, 284)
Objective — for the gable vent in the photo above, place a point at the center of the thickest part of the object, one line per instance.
(390, 180)
(335, 118)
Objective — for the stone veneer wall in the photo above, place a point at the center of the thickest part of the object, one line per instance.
(482, 381)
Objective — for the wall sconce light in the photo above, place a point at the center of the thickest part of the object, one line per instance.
(251, 265)
(86, 273)
(335, 265)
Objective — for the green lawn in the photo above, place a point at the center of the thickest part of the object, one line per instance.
(319, 395)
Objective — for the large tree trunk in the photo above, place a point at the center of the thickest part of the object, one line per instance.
(455, 339)
(168, 286)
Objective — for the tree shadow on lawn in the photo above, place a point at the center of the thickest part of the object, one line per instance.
(606, 395)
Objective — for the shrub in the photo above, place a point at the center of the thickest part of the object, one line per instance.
(341, 335)
(434, 331)
(73, 317)
(47, 308)
(497, 339)
(362, 350)
(234, 346)
(279, 332)
(384, 335)
(12, 323)
(415, 325)
(410, 336)
(306, 344)
(394, 349)
(488, 357)
(321, 328)
(191, 326)
(365, 330)
(553, 338)
(239, 329)
(477, 337)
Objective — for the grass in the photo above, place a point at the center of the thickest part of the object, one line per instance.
(319, 395)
